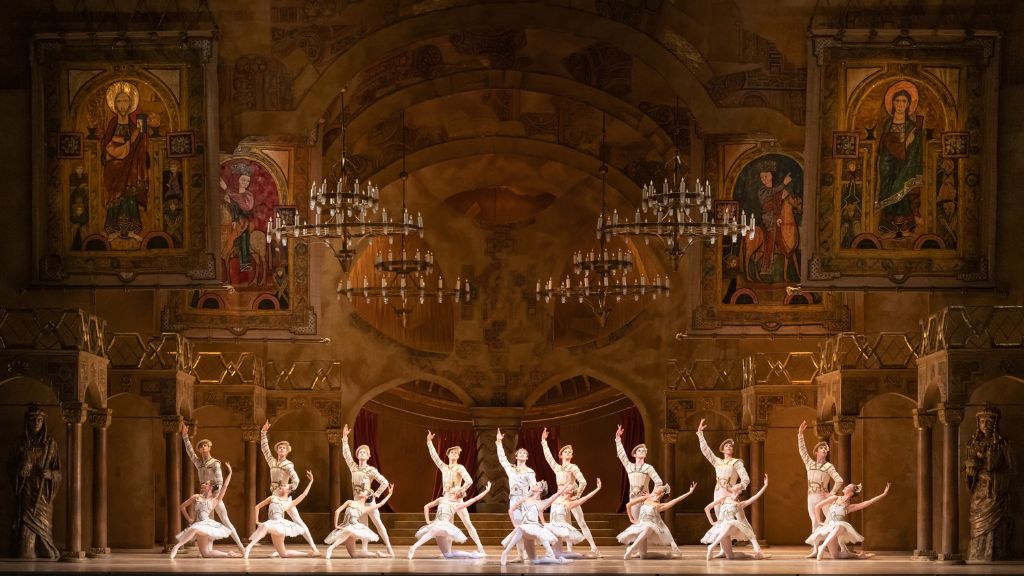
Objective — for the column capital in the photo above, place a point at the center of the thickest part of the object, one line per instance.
(951, 416)
(844, 426)
(743, 437)
(669, 435)
(74, 412)
(923, 420)
(100, 418)
(823, 430)
(334, 436)
(171, 424)
(250, 433)
(758, 435)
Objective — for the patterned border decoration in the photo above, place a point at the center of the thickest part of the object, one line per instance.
(956, 144)
(69, 145)
(845, 144)
(181, 144)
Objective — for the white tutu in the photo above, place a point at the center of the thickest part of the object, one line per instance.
(215, 530)
(283, 527)
(738, 530)
(536, 531)
(440, 526)
(565, 532)
(356, 531)
(847, 533)
(656, 536)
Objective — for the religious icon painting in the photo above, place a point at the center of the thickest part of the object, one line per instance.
(905, 141)
(124, 205)
(181, 144)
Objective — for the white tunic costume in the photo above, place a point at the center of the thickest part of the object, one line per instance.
(204, 525)
(729, 521)
(818, 476)
(351, 527)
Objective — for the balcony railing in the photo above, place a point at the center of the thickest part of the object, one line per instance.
(973, 327)
(790, 368)
(885, 350)
(51, 329)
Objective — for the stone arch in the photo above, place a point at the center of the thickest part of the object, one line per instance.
(362, 399)
(930, 396)
(651, 426)
(677, 76)
(827, 408)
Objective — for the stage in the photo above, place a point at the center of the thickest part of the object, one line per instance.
(785, 560)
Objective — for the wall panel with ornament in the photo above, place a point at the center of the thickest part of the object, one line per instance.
(904, 143)
(123, 133)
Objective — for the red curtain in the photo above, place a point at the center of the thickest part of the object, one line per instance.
(529, 438)
(365, 432)
(633, 435)
(445, 439)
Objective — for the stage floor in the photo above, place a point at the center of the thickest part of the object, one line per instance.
(785, 560)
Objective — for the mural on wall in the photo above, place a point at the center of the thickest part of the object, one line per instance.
(125, 185)
(756, 281)
(906, 175)
(265, 285)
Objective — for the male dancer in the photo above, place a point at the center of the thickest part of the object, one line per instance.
(521, 479)
(819, 470)
(282, 473)
(208, 468)
(455, 474)
(363, 475)
(728, 472)
(567, 474)
(640, 473)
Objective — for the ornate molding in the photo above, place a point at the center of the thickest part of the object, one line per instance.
(100, 418)
(171, 424)
(844, 426)
(923, 420)
(669, 436)
(758, 435)
(74, 412)
(334, 436)
(250, 433)
(951, 416)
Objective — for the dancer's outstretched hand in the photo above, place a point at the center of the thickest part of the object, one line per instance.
(344, 431)
(765, 480)
(619, 432)
(803, 426)
(499, 436)
(309, 474)
(544, 434)
(430, 436)
(701, 426)
(693, 486)
(266, 426)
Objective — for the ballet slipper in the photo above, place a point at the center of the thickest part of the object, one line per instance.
(595, 553)
(711, 550)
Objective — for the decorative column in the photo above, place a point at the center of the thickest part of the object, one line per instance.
(950, 418)
(334, 453)
(250, 435)
(669, 438)
(74, 414)
(100, 421)
(843, 428)
(743, 444)
(486, 421)
(757, 438)
(172, 472)
(924, 423)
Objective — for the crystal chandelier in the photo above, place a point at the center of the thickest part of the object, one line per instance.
(678, 216)
(342, 216)
(603, 275)
(404, 275)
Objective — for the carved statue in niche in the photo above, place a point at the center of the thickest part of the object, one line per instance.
(988, 470)
(36, 468)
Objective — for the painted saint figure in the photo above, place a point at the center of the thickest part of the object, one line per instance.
(240, 203)
(209, 470)
(351, 529)
(640, 474)
(125, 158)
(363, 476)
(730, 524)
(899, 163)
(569, 474)
(201, 527)
(989, 471)
(778, 218)
(442, 529)
(836, 529)
(646, 526)
(36, 479)
(819, 471)
(279, 503)
(454, 474)
(282, 473)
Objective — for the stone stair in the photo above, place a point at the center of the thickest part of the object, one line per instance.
(492, 527)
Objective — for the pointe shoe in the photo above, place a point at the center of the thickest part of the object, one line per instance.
(174, 552)
(675, 553)
(821, 553)
(709, 554)
(813, 553)
(595, 553)
(246, 553)
(481, 553)
(410, 554)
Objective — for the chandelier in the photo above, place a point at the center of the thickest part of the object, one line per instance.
(678, 215)
(342, 216)
(603, 276)
(404, 275)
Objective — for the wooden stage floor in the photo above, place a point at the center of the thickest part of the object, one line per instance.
(785, 560)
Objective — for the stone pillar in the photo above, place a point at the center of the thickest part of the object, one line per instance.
(843, 429)
(100, 421)
(74, 414)
(950, 418)
(669, 438)
(486, 421)
(335, 459)
(757, 438)
(250, 436)
(924, 423)
(743, 445)
(172, 472)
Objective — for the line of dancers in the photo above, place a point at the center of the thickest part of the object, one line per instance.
(827, 508)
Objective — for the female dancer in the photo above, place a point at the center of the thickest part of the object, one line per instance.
(530, 528)
(442, 529)
(351, 529)
(647, 526)
(819, 472)
(560, 526)
(520, 479)
(280, 503)
(202, 528)
(836, 529)
(730, 524)
(363, 475)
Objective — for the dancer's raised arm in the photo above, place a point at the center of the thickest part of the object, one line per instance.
(753, 498)
(224, 488)
(620, 450)
(383, 501)
(295, 502)
(861, 505)
(337, 513)
(185, 506)
(474, 499)
(629, 507)
(677, 499)
(579, 501)
(256, 510)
